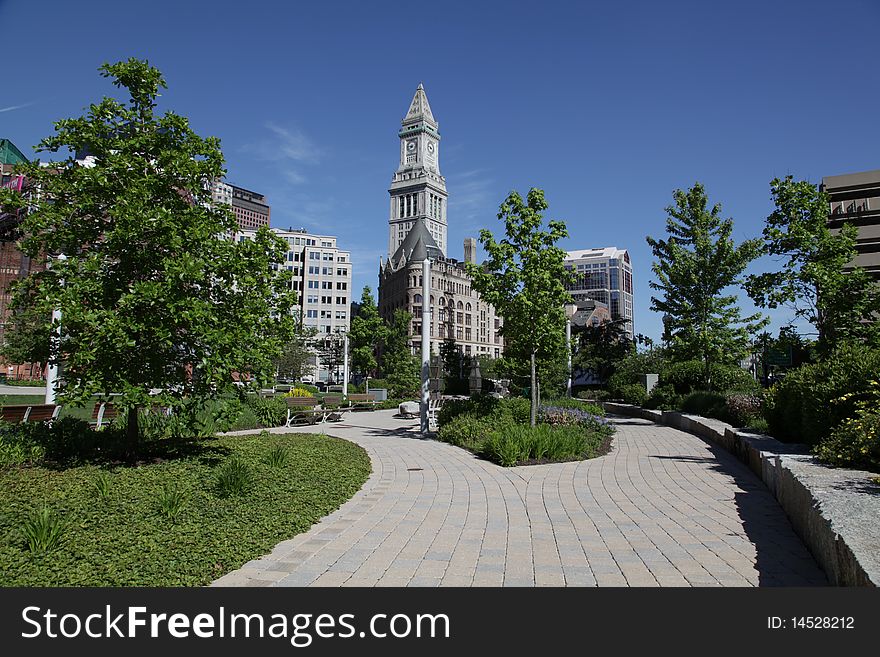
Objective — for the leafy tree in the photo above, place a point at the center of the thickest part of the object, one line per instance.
(695, 264)
(151, 293)
(295, 359)
(366, 335)
(842, 305)
(400, 367)
(601, 347)
(524, 278)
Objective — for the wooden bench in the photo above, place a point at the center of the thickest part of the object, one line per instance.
(362, 401)
(103, 413)
(30, 413)
(303, 410)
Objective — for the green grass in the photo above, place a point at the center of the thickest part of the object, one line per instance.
(165, 523)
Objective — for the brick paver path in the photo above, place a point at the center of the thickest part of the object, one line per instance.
(662, 509)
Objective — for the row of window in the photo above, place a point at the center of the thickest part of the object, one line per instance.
(313, 298)
(326, 314)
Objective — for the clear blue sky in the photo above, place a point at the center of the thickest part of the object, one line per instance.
(606, 106)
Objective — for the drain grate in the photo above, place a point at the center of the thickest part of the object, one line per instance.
(414, 469)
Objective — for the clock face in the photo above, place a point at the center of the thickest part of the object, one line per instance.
(410, 146)
(430, 147)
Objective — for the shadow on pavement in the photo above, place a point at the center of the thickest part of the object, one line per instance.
(781, 557)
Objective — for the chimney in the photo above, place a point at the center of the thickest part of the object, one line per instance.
(470, 250)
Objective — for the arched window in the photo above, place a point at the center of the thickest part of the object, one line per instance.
(442, 301)
(417, 298)
(468, 307)
(432, 299)
(460, 305)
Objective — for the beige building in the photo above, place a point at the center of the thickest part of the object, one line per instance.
(855, 199)
(418, 229)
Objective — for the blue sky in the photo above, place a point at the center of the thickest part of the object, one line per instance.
(607, 108)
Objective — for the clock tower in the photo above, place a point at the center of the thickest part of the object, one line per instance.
(418, 191)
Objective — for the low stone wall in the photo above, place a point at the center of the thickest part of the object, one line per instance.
(835, 511)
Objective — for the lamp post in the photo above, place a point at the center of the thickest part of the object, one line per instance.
(570, 310)
(426, 341)
(52, 369)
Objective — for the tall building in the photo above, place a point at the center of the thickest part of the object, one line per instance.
(418, 191)
(855, 199)
(14, 264)
(321, 278)
(604, 275)
(417, 228)
(251, 208)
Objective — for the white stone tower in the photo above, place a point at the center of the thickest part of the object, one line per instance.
(418, 191)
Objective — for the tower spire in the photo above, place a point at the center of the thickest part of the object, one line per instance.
(420, 110)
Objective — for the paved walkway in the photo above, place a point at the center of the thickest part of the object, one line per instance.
(662, 509)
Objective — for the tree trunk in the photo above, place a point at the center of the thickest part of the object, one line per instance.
(132, 432)
(533, 411)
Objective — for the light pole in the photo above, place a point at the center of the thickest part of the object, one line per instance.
(570, 310)
(52, 369)
(426, 341)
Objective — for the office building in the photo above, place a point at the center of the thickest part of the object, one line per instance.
(855, 199)
(604, 275)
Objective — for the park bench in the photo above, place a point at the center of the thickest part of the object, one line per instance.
(103, 413)
(30, 412)
(362, 401)
(434, 406)
(303, 410)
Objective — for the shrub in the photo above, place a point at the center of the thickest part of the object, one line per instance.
(664, 398)
(633, 393)
(561, 416)
(466, 430)
(233, 478)
(687, 376)
(300, 392)
(514, 409)
(269, 411)
(629, 370)
(514, 444)
(741, 408)
(705, 403)
(171, 501)
(802, 407)
(42, 530)
(855, 442)
(17, 445)
(593, 394)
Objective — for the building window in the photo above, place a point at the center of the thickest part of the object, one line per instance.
(341, 301)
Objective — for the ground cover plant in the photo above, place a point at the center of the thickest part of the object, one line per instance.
(187, 513)
(498, 429)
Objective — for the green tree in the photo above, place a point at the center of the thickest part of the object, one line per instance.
(842, 305)
(601, 347)
(694, 266)
(400, 367)
(524, 278)
(295, 359)
(152, 293)
(366, 335)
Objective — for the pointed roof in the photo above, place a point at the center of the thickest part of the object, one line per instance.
(417, 244)
(419, 109)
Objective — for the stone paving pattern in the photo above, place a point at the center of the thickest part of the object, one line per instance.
(663, 508)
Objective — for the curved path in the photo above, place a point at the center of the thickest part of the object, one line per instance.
(662, 509)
